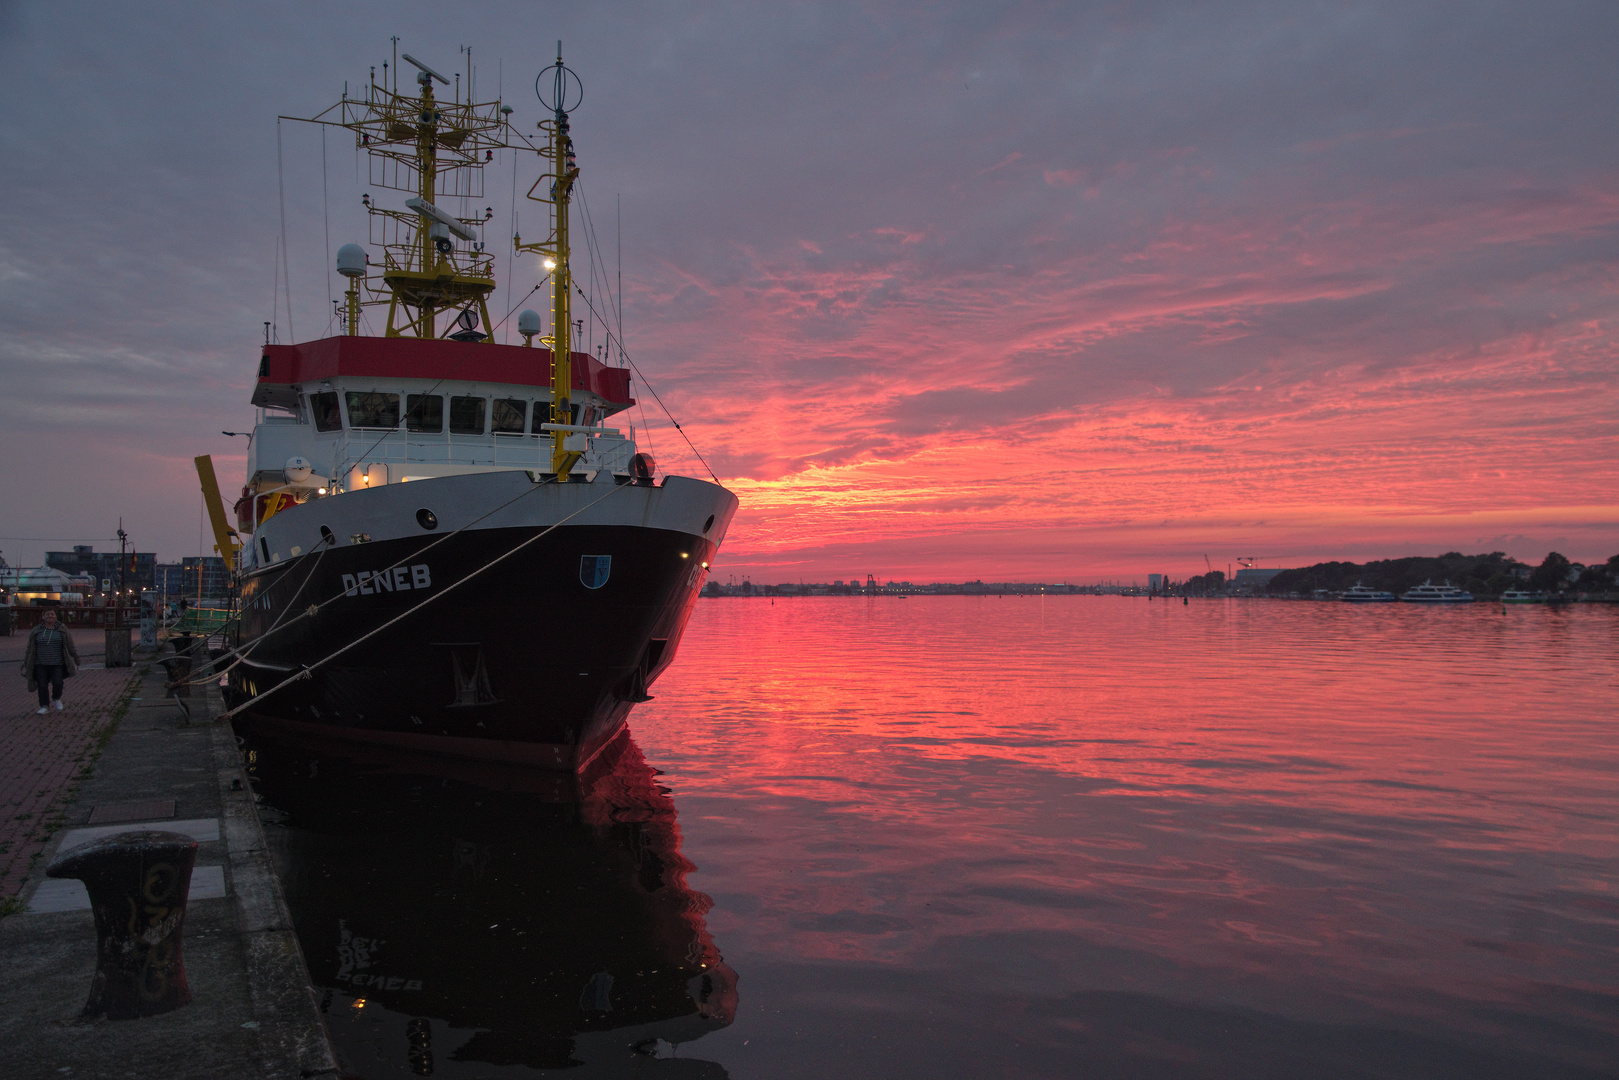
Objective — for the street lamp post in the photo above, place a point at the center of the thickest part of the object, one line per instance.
(117, 608)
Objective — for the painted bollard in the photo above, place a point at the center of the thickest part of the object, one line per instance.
(138, 884)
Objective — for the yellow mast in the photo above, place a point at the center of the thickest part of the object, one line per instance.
(433, 260)
(427, 165)
(564, 171)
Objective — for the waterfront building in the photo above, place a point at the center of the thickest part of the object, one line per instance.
(107, 569)
(44, 585)
(203, 576)
(168, 579)
(1254, 579)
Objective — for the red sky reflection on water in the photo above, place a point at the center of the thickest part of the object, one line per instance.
(1312, 809)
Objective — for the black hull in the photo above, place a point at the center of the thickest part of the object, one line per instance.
(519, 662)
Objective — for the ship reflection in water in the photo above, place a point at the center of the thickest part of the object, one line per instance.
(458, 916)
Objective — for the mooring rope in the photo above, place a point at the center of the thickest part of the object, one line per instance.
(309, 669)
(313, 609)
(243, 651)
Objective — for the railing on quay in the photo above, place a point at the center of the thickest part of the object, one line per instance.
(27, 616)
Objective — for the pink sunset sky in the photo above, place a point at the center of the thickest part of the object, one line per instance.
(1032, 292)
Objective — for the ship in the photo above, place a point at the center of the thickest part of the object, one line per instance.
(444, 543)
(1365, 594)
(1524, 596)
(1429, 593)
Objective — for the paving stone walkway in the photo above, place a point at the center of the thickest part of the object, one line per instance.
(253, 1012)
(43, 758)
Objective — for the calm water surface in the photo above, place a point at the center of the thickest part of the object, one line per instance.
(1022, 837)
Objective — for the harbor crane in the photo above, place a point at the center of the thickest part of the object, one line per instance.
(1254, 560)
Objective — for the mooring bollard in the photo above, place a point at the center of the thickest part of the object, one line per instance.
(179, 672)
(118, 653)
(138, 884)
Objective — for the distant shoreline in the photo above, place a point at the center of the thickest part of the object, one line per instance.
(1133, 594)
(1485, 577)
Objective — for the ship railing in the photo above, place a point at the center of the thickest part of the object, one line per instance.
(395, 232)
(360, 449)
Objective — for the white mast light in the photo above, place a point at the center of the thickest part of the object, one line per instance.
(425, 69)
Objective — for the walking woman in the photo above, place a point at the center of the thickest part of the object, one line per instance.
(51, 657)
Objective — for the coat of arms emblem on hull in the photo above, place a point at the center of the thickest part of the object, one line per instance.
(593, 570)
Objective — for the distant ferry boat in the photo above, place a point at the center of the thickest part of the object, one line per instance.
(1523, 596)
(1429, 593)
(1360, 594)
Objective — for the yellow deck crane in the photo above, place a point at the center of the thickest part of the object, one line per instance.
(226, 542)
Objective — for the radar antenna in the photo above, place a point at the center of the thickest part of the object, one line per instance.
(424, 69)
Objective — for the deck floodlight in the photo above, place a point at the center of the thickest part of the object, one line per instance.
(424, 69)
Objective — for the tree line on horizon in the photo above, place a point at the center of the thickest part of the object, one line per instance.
(1482, 575)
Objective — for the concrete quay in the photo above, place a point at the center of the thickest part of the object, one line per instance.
(253, 1012)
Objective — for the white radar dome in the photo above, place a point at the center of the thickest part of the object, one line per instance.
(528, 323)
(297, 470)
(351, 260)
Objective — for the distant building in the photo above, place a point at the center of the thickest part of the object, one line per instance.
(206, 573)
(136, 570)
(1155, 582)
(1252, 577)
(44, 585)
(168, 579)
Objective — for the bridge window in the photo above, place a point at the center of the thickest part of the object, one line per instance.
(372, 410)
(466, 415)
(424, 412)
(323, 407)
(508, 415)
(542, 415)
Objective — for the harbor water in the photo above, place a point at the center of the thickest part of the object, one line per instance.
(1023, 836)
